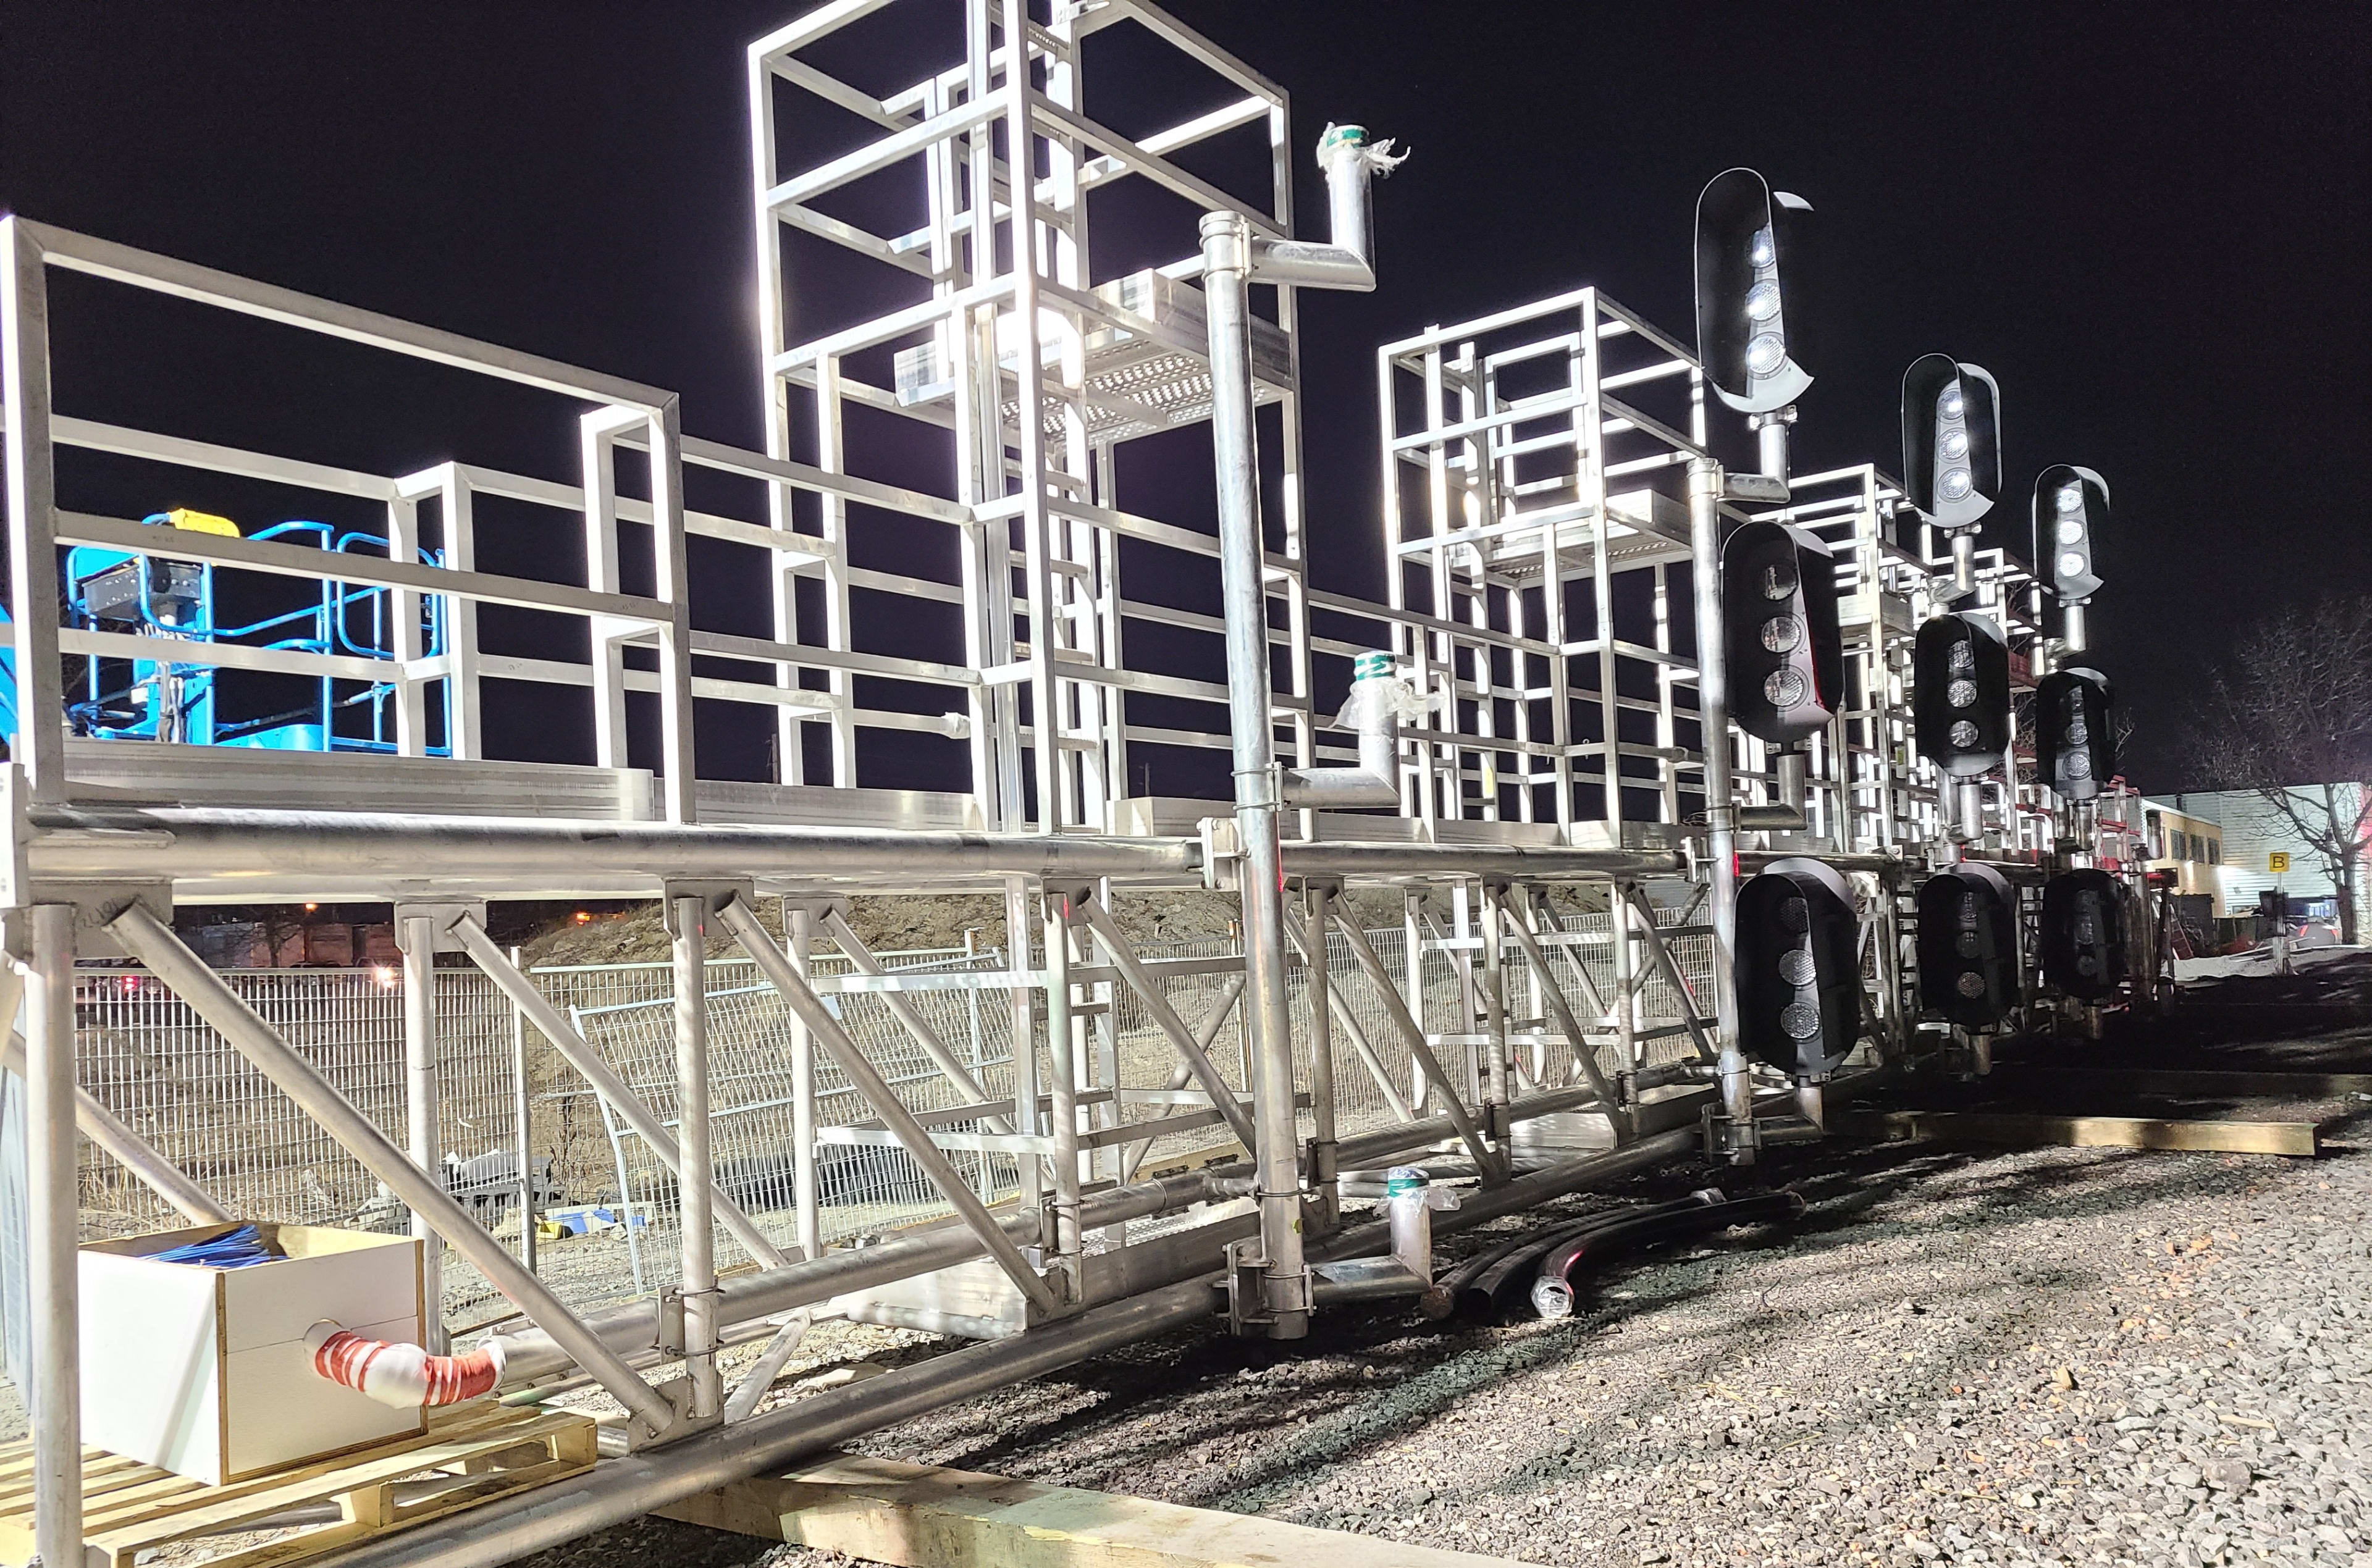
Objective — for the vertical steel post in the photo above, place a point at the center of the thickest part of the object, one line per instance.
(424, 1126)
(519, 1109)
(39, 745)
(1495, 1008)
(53, 1274)
(1317, 921)
(798, 923)
(1021, 1026)
(689, 923)
(1713, 708)
(1061, 1050)
(1226, 240)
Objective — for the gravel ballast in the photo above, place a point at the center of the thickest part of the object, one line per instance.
(2055, 1355)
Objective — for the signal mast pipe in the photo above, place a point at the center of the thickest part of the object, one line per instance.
(1721, 848)
(1232, 259)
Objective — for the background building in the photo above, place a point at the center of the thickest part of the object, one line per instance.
(2242, 832)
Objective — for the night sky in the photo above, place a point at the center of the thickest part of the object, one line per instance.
(2148, 222)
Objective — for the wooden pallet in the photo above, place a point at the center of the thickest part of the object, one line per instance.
(471, 1453)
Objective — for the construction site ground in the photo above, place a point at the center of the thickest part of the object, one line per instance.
(2050, 1356)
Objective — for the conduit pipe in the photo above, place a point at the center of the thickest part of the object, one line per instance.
(404, 1377)
(1232, 259)
(1375, 781)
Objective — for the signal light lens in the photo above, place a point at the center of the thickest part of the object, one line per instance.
(1762, 301)
(1765, 353)
(1949, 404)
(1964, 734)
(1760, 251)
(2078, 766)
(1961, 659)
(1779, 581)
(1955, 484)
(2071, 529)
(1961, 694)
(1783, 688)
(1800, 1021)
(2070, 500)
(1782, 634)
(1955, 445)
(1797, 968)
(1795, 917)
(2071, 564)
(2078, 732)
(1970, 984)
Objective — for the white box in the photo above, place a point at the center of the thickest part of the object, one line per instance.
(204, 1372)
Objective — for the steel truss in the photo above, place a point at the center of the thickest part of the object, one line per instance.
(1547, 469)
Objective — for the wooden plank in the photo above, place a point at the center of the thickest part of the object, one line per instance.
(131, 1509)
(918, 1516)
(2015, 1129)
(2205, 1080)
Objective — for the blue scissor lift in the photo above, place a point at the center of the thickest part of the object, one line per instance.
(165, 600)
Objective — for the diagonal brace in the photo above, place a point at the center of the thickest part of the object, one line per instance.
(1132, 969)
(1485, 1160)
(1585, 1055)
(836, 925)
(588, 1061)
(737, 917)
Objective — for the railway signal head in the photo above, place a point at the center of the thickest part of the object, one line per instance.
(2084, 933)
(1785, 652)
(1968, 946)
(1749, 327)
(1952, 441)
(2075, 732)
(1959, 696)
(2069, 504)
(1798, 967)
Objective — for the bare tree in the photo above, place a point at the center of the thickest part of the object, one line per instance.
(2290, 718)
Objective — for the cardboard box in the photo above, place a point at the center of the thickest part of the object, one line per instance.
(204, 1372)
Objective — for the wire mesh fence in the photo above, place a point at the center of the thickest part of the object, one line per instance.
(149, 1060)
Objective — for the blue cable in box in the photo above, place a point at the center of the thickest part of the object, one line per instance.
(200, 1366)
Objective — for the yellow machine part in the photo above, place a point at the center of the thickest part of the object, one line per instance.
(201, 522)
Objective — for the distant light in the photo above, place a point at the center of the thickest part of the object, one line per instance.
(1761, 251)
(584, 917)
(1762, 301)
(1766, 354)
(384, 975)
(310, 908)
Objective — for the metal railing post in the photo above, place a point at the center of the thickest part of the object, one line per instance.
(686, 928)
(423, 1116)
(53, 1269)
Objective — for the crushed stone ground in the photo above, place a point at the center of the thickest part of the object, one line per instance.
(2061, 1356)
